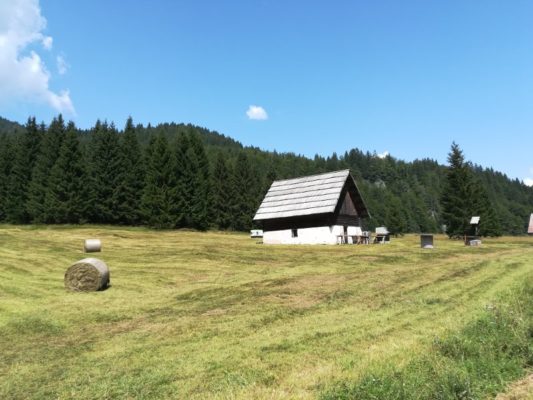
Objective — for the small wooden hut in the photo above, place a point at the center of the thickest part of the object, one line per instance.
(317, 209)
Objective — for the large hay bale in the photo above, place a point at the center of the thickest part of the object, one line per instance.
(92, 246)
(89, 274)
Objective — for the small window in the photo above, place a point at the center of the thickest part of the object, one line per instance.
(294, 232)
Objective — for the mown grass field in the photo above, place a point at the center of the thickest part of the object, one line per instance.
(218, 316)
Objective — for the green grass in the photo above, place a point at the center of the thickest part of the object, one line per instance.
(474, 363)
(218, 316)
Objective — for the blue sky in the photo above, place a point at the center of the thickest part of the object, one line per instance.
(404, 77)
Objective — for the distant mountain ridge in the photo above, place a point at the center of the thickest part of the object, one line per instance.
(7, 126)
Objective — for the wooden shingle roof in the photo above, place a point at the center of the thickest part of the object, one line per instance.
(308, 195)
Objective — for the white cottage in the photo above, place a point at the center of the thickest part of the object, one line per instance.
(316, 209)
(530, 227)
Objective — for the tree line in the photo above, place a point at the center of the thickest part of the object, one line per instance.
(59, 175)
(185, 176)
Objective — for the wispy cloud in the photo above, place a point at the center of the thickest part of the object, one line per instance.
(257, 113)
(23, 75)
(62, 65)
(383, 155)
(47, 42)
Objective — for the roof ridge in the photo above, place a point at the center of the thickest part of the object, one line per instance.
(311, 176)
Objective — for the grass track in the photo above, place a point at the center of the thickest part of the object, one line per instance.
(215, 315)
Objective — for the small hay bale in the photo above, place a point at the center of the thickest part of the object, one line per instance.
(92, 246)
(87, 275)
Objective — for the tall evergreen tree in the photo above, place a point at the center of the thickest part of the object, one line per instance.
(6, 164)
(201, 199)
(184, 176)
(159, 191)
(105, 171)
(131, 179)
(456, 201)
(25, 156)
(244, 191)
(489, 224)
(222, 193)
(48, 152)
(65, 197)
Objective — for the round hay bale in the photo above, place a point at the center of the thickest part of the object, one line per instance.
(89, 274)
(92, 245)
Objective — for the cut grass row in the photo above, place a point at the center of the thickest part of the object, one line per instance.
(476, 362)
(218, 316)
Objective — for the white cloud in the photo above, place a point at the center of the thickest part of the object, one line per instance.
(384, 154)
(256, 112)
(23, 76)
(529, 181)
(47, 42)
(62, 65)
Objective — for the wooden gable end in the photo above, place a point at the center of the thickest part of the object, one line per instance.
(349, 210)
(347, 206)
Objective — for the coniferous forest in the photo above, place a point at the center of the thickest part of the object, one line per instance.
(184, 176)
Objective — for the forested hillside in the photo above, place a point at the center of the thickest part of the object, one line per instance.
(177, 176)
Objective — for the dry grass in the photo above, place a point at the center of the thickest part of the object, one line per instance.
(521, 390)
(215, 315)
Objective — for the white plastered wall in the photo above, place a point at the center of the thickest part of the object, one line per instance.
(317, 235)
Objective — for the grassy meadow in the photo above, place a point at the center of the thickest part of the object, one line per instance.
(218, 316)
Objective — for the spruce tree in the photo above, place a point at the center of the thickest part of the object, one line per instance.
(131, 178)
(65, 197)
(222, 193)
(489, 223)
(48, 153)
(455, 199)
(25, 156)
(184, 180)
(244, 194)
(159, 196)
(105, 171)
(6, 164)
(463, 197)
(201, 198)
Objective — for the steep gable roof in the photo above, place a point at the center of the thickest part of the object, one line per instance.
(308, 195)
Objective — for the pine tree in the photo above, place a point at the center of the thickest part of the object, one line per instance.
(456, 195)
(105, 171)
(6, 164)
(244, 202)
(65, 197)
(222, 193)
(131, 179)
(159, 192)
(25, 155)
(184, 180)
(489, 223)
(48, 152)
(201, 199)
